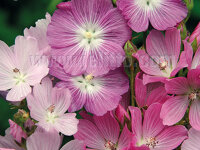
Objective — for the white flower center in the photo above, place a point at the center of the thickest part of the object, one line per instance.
(89, 36)
(51, 115)
(110, 146)
(87, 84)
(148, 4)
(163, 64)
(19, 77)
(193, 95)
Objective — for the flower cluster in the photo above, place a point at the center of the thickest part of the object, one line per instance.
(68, 76)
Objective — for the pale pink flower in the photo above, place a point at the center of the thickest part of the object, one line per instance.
(39, 32)
(98, 94)
(41, 140)
(87, 36)
(195, 34)
(103, 133)
(192, 143)
(148, 94)
(161, 59)
(16, 131)
(186, 91)
(21, 67)
(162, 14)
(151, 133)
(8, 141)
(48, 106)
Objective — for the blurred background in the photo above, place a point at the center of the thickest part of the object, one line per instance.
(16, 15)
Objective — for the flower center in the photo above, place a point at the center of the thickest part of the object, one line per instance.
(88, 35)
(19, 77)
(148, 4)
(193, 96)
(110, 145)
(89, 77)
(151, 142)
(51, 116)
(163, 64)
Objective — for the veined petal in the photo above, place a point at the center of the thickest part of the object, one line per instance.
(196, 59)
(194, 115)
(174, 109)
(74, 145)
(194, 78)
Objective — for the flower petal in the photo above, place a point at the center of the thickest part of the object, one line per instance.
(196, 59)
(174, 109)
(74, 145)
(194, 114)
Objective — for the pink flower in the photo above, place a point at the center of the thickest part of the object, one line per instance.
(150, 93)
(39, 32)
(97, 94)
(161, 61)
(161, 14)
(21, 67)
(87, 37)
(195, 34)
(192, 143)
(8, 142)
(120, 113)
(48, 106)
(193, 62)
(103, 133)
(41, 140)
(16, 131)
(186, 91)
(151, 133)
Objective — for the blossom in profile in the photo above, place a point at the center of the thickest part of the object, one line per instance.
(97, 94)
(151, 133)
(192, 143)
(7, 142)
(39, 32)
(192, 61)
(161, 59)
(16, 131)
(103, 133)
(51, 141)
(48, 106)
(21, 67)
(161, 14)
(87, 36)
(148, 94)
(195, 35)
(186, 91)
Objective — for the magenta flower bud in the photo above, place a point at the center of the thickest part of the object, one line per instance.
(29, 124)
(16, 131)
(120, 113)
(64, 5)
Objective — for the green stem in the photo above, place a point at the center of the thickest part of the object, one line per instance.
(132, 82)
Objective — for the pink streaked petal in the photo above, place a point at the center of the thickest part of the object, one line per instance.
(157, 95)
(152, 79)
(195, 34)
(108, 126)
(86, 116)
(152, 124)
(125, 138)
(61, 98)
(147, 64)
(136, 117)
(64, 5)
(78, 99)
(181, 64)
(177, 85)
(140, 90)
(125, 101)
(18, 92)
(138, 17)
(89, 133)
(120, 113)
(67, 124)
(36, 73)
(194, 78)
(74, 145)
(194, 114)
(192, 143)
(188, 53)
(16, 131)
(168, 14)
(173, 43)
(43, 141)
(196, 59)
(26, 49)
(171, 137)
(114, 25)
(174, 109)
